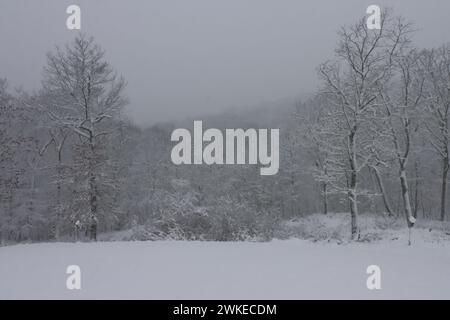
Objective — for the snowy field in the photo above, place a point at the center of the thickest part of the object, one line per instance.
(290, 269)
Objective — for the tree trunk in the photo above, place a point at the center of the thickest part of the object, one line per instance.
(383, 191)
(416, 190)
(354, 214)
(93, 207)
(325, 198)
(92, 195)
(352, 192)
(58, 195)
(444, 187)
(406, 199)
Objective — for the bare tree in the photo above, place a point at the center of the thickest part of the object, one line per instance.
(401, 99)
(350, 86)
(84, 95)
(58, 138)
(8, 172)
(311, 118)
(436, 63)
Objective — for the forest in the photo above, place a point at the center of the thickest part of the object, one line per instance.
(372, 141)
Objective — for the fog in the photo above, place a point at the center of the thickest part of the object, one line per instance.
(186, 58)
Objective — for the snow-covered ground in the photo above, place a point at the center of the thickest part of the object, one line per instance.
(288, 269)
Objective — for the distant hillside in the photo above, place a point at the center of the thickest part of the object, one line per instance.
(267, 115)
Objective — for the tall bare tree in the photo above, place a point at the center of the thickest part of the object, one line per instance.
(437, 120)
(401, 100)
(84, 95)
(363, 59)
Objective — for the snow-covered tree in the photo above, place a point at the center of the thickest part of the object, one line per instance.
(401, 99)
(83, 94)
(350, 85)
(436, 63)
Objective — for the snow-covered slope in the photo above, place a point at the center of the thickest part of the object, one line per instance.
(292, 269)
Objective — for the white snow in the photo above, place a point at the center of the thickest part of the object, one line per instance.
(289, 269)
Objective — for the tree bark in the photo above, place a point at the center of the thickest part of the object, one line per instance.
(58, 195)
(92, 195)
(354, 214)
(93, 207)
(406, 198)
(445, 170)
(416, 190)
(382, 190)
(325, 198)
(352, 192)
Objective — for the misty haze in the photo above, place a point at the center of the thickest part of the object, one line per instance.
(224, 149)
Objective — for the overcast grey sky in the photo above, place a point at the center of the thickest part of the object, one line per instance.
(188, 57)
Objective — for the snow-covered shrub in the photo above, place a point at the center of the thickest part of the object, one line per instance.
(316, 227)
(335, 227)
(176, 213)
(385, 222)
(236, 221)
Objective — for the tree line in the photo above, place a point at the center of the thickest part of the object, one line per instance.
(374, 139)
